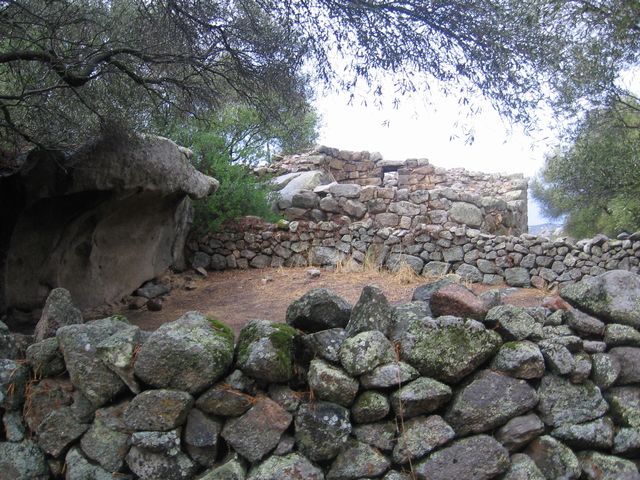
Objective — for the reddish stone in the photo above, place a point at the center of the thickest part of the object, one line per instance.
(457, 300)
(555, 303)
(44, 397)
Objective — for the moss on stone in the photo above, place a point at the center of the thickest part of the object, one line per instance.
(222, 328)
(276, 363)
(282, 340)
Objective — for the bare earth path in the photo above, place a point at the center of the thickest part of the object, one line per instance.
(237, 296)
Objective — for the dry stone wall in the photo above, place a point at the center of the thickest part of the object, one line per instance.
(450, 386)
(434, 250)
(405, 194)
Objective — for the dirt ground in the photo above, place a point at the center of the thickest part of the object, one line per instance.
(237, 296)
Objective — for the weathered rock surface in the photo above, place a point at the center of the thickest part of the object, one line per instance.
(188, 354)
(553, 458)
(370, 406)
(563, 402)
(318, 310)
(290, 467)
(523, 468)
(107, 440)
(158, 410)
(78, 344)
(489, 401)
(331, 383)
(99, 222)
(45, 358)
(457, 300)
(356, 460)
(58, 430)
(519, 431)
(265, 351)
(624, 403)
(520, 360)
(321, 430)
(13, 383)
(58, 311)
(447, 350)
(389, 375)
(371, 312)
(258, 431)
(596, 434)
(224, 400)
(479, 457)
(365, 351)
(423, 395)
(598, 466)
(150, 465)
(420, 436)
(22, 461)
(79, 468)
(513, 323)
(326, 344)
(613, 296)
(629, 360)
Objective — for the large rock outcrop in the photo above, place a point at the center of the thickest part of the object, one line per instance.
(98, 222)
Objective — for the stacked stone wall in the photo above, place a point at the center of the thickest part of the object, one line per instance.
(403, 194)
(522, 260)
(449, 386)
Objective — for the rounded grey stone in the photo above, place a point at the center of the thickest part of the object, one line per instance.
(321, 430)
(358, 460)
(370, 406)
(331, 383)
(188, 354)
(265, 351)
(423, 395)
(479, 457)
(365, 351)
(488, 401)
(553, 458)
(158, 410)
(389, 375)
(563, 402)
(317, 310)
(520, 360)
(293, 466)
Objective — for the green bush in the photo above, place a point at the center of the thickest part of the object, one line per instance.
(240, 192)
(228, 141)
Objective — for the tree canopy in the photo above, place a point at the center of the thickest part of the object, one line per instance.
(70, 67)
(595, 180)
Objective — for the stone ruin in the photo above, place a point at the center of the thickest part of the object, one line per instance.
(327, 184)
(394, 213)
(451, 386)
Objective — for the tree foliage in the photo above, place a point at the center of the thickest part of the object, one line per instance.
(240, 193)
(228, 143)
(68, 67)
(240, 133)
(595, 180)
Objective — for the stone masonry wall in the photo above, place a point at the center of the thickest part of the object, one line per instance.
(451, 386)
(404, 194)
(433, 250)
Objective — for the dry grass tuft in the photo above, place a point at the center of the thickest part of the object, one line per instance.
(405, 275)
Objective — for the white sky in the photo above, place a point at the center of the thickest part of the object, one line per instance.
(423, 128)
